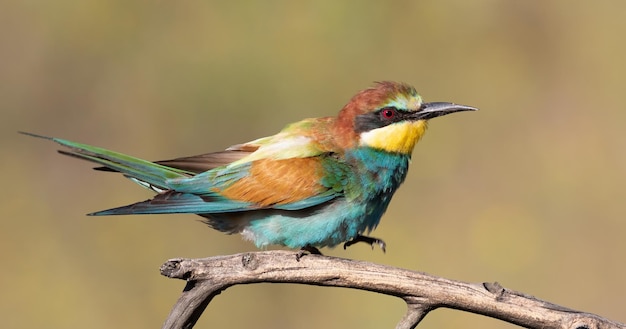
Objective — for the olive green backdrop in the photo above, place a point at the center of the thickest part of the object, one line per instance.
(529, 191)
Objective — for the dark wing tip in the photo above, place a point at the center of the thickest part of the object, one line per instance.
(105, 169)
(34, 135)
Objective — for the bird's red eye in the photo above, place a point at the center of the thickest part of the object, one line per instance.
(388, 113)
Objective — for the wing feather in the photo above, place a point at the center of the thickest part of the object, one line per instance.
(278, 182)
(172, 202)
(204, 162)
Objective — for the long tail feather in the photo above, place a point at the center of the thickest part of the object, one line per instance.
(142, 170)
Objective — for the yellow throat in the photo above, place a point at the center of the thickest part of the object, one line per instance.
(399, 137)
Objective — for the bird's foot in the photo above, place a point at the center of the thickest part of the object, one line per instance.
(307, 250)
(367, 239)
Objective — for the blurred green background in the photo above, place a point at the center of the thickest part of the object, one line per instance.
(529, 191)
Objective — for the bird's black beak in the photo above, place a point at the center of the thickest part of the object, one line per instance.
(437, 109)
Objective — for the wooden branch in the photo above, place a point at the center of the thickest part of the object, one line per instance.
(208, 277)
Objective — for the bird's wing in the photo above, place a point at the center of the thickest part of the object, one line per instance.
(287, 184)
(285, 170)
(288, 171)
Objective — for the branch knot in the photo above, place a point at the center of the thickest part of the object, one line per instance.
(249, 261)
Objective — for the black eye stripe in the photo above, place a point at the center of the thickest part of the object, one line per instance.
(377, 119)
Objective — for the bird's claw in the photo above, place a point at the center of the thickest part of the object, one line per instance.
(307, 250)
(367, 239)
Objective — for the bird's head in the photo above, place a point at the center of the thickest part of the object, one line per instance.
(389, 116)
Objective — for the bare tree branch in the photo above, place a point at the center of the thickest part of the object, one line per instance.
(208, 277)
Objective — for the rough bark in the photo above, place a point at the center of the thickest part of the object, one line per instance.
(208, 277)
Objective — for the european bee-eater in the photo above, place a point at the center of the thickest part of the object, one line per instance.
(317, 183)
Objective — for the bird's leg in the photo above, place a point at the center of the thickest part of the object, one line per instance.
(367, 239)
(307, 249)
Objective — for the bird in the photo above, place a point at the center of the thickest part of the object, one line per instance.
(317, 183)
